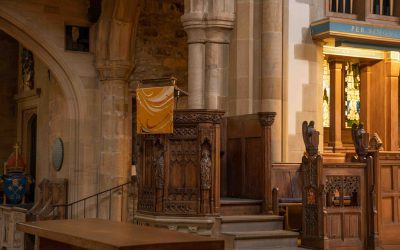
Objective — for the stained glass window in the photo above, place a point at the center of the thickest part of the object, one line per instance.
(352, 94)
(326, 86)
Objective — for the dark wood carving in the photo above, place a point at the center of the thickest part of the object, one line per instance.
(310, 138)
(311, 168)
(338, 198)
(159, 164)
(360, 141)
(205, 166)
(178, 174)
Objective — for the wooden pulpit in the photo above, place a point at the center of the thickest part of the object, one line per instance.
(178, 173)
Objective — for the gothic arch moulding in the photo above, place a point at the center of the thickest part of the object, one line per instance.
(69, 82)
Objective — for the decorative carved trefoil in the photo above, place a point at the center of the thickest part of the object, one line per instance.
(361, 141)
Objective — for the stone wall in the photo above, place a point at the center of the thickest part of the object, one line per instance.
(161, 43)
(8, 88)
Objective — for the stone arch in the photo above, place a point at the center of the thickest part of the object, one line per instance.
(69, 83)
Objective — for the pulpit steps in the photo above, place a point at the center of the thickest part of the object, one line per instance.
(273, 239)
(237, 206)
(257, 232)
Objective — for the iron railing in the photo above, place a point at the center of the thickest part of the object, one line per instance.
(68, 208)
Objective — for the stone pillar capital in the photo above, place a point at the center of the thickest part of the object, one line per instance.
(218, 34)
(195, 34)
(114, 70)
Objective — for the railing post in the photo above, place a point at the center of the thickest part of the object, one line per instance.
(84, 208)
(266, 120)
(97, 206)
(109, 206)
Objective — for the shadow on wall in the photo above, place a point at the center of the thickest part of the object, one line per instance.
(311, 55)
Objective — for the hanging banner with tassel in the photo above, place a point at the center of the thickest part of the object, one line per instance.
(155, 108)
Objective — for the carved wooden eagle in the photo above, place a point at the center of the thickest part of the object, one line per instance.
(310, 137)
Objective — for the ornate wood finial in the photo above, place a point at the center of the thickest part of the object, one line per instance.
(375, 143)
(360, 140)
(310, 137)
(266, 118)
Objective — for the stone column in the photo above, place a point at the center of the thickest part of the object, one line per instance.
(115, 161)
(217, 58)
(271, 71)
(208, 24)
(115, 43)
(336, 107)
(196, 67)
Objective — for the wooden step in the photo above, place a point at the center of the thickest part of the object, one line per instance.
(245, 223)
(236, 206)
(271, 239)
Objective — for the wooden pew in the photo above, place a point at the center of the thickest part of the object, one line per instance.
(287, 185)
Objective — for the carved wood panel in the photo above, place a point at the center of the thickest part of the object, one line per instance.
(234, 173)
(177, 172)
(344, 205)
(253, 170)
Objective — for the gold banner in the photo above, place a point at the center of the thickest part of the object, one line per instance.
(155, 108)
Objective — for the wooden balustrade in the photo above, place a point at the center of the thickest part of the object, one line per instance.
(341, 6)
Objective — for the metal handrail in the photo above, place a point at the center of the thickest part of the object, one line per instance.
(109, 191)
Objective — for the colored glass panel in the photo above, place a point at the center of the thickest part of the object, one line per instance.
(326, 86)
(352, 94)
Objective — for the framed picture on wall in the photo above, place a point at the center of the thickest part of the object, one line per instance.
(76, 38)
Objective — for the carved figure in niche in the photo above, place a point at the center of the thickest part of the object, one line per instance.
(28, 70)
(159, 164)
(361, 141)
(375, 143)
(205, 165)
(310, 137)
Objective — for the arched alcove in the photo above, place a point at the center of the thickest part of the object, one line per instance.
(68, 82)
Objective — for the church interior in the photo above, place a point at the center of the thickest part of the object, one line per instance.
(199, 124)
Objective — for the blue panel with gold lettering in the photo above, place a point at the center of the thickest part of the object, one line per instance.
(354, 30)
